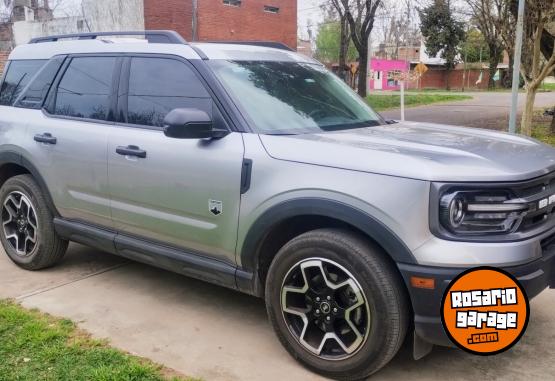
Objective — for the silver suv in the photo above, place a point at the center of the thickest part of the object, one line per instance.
(252, 167)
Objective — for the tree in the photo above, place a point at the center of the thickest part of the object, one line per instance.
(328, 44)
(537, 63)
(442, 32)
(400, 28)
(506, 24)
(474, 47)
(484, 15)
(360, 15)
(345, 44)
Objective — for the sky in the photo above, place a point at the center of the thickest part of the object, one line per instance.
(309, 16)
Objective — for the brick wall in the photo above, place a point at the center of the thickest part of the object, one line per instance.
(217, 21)
(3, 58)
(437, 79)
(170, 14)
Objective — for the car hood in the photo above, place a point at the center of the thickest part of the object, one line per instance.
(421, 151)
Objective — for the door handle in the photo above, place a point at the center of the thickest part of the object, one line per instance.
(131, 151)
(45, 138)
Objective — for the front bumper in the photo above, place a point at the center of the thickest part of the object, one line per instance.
(535, 277)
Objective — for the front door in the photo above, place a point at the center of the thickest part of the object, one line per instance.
(183, 193)
(378, 80)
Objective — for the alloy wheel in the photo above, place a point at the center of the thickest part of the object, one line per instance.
(325, 309)
(20, 223)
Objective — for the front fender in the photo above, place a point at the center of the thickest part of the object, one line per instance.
(348, 214)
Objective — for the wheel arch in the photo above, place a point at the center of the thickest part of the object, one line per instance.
(13, 164)
(288, 219)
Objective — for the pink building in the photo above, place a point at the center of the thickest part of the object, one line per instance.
(383, 73)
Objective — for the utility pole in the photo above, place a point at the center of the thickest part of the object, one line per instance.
(516, 66)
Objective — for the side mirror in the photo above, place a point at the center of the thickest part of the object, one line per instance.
(190, 123)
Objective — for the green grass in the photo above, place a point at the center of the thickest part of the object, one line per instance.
(36, 346)
(389, 101)
(541, 128)
(548, 86)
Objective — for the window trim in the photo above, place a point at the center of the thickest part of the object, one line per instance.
(50, 100)
(271, 9)
(237, 4)
(124, 85)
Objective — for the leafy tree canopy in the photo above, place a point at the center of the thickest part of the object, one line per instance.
(328, 43)
(473, 45)
(442, 32)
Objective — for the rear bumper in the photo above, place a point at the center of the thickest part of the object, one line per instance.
(535, 277)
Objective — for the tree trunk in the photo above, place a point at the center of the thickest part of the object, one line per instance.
(363, 70)
(493, 63)
(447, 79)
(526, 123)
(343, 47)
(508, 81)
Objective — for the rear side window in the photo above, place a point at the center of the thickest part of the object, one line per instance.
(18, 76)
(34, 95)
(159, 85)
(84, 90)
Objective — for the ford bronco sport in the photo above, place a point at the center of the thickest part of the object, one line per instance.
(253, 167)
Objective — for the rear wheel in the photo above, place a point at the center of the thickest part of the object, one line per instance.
(336, 303)
(27, 234)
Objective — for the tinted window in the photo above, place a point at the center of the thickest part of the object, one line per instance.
(35, 93)
(158, 85)
(84, 91)
(18, 76)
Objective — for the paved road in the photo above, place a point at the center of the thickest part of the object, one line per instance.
(485, 110)
(221, 335)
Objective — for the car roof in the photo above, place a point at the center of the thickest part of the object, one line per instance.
(246, 52)
(227, 51)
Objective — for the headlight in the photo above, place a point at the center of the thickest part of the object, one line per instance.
(468, 212)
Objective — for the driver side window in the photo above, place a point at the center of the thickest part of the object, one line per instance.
(159, 85)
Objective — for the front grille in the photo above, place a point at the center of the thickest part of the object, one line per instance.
(533, 192)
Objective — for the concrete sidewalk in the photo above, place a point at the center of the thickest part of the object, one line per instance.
(218, 334)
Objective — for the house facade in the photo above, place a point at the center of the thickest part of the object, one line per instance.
(384, 73)
(225, 20)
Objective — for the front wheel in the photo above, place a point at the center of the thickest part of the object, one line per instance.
(336, 303)
(27, 232)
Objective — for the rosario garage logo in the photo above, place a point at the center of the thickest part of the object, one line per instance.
(485, 311)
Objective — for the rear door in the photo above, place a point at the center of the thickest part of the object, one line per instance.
(183, 193)
(67, 140)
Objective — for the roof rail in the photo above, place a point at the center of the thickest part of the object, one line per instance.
(266, 44)
(152, 36)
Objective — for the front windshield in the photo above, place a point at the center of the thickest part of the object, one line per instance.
(293, 97)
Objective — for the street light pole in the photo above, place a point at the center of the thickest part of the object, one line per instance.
(516, 66)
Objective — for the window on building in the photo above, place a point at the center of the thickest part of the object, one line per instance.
(159, 85)
(84, 91)
(232, 3)
(271, 9)
(17, 78)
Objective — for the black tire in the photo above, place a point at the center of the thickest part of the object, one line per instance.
(380, 283)
(49, 248)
